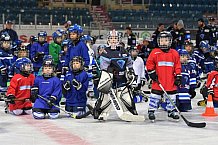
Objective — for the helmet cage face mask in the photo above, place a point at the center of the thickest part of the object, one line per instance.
(27, 68)
(48, 70)
(164, 42)
(113, 39)
(73, 61)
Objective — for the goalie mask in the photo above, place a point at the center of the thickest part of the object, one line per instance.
(24, 66)
(77, 64)
(113, 39)
(164, 40)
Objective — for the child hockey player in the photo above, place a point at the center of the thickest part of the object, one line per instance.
(38, 50)
(61, 70)
(6, 61)
(55, 47)
(76, 46)
(47, 90)
(212, 81)
(186, 90)
(18, 93)
(76, 85)
(139, 70)
(115, 60)
(164, 67)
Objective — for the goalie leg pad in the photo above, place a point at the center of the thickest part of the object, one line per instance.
(125, 97)
(102, 107)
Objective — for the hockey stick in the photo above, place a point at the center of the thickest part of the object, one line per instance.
(69, 113)
(191, 124)
(126, 116)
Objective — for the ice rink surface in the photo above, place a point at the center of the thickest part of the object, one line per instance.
(24, 130)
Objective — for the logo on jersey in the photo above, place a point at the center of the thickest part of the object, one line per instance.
(202, 36)
(121, 63)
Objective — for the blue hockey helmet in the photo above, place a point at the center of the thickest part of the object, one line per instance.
(42, 34)
(204, 46)
(56, 34)
(61, 31)
(21, 65)
(16, 44)
(65, 42)
(33, 39)
(5, 37)
(6, 40)
(184, 56)
(48, 60)
(86, 38)
(76, 29)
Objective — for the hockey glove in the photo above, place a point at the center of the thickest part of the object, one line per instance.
(76, 84)
(210, 92)
(34, 94)
(51, 101)
(11, 99)
(66, 85)
(192, 93)
(3, 71)
(178, 80)
(152, 74)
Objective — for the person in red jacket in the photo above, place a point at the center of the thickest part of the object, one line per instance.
(212, 84)
(18, 93)
(164, 67)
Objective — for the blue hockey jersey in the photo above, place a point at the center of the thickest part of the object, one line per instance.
(78, 49)
(47, 88)
(37, 47)
(74, 97)
(188, 82)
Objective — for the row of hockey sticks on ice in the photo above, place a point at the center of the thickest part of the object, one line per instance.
(105, 86)
(191, 124)
(70, 113)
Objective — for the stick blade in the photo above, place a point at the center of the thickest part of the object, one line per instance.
(192, 124)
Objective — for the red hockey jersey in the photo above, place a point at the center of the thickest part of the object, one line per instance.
(212, 83)
(20, 88)
(167, 65)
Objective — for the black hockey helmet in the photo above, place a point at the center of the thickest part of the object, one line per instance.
(162, 42)
(77, 59)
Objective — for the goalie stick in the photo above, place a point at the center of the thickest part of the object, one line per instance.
(191, 124)
(70, 113)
